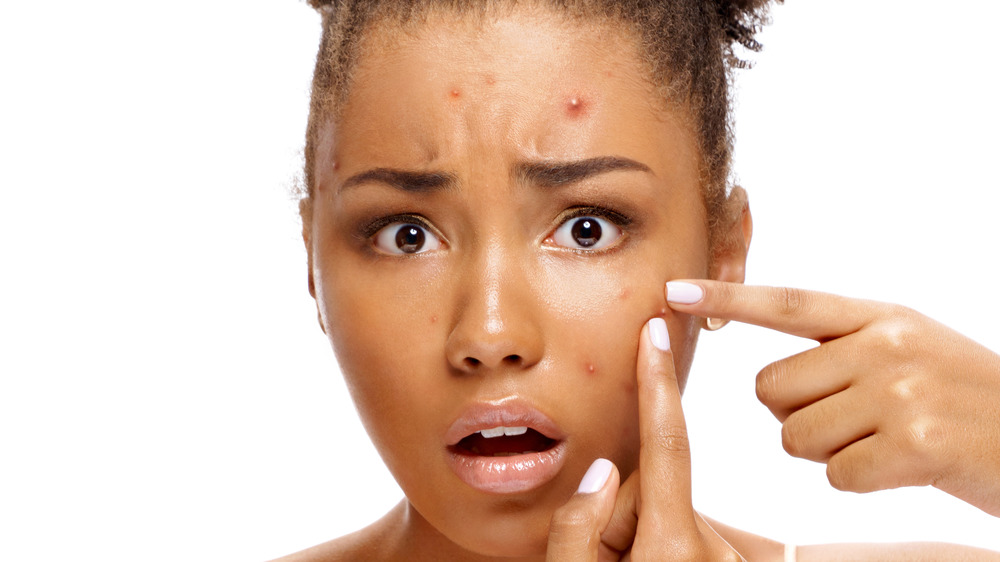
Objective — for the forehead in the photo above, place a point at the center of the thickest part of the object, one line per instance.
(526, 84)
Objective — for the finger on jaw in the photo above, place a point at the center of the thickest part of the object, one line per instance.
(808, 314)
(576, 527)
(664, 452)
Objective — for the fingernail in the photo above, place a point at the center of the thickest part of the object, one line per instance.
(596, 477)
(658, 334)
(684, 293)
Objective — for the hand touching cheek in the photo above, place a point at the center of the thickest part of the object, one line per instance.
(890, 397)
(650, 516)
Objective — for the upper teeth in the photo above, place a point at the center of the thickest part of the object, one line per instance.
(501, 431)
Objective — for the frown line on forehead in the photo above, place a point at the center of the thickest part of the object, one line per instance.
(535, 173)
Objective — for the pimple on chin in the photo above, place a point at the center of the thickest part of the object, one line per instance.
(589, 368)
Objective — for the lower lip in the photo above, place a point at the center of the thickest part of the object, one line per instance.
(508, 475)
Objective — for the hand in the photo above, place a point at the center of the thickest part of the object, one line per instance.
(890, 397)
(650, 516)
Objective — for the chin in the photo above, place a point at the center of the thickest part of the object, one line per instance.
(508, 537)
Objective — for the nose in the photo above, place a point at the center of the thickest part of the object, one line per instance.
(497, 324)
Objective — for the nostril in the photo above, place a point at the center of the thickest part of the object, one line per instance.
(472, 362)
(515, 359)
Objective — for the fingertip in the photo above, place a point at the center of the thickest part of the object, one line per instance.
(656, 328)
(596, 477)
(684, 292)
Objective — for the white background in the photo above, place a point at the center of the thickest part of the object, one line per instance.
(166, 394)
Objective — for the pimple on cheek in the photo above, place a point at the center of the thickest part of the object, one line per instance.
(490, 80)
(625, 294)
(589, 368)
(434, 318)
(454, 93)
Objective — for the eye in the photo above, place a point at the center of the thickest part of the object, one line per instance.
(586, 233)
(405, 238)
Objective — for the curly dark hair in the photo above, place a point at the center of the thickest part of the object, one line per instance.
(689, 45)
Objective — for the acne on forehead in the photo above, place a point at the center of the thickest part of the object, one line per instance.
(576, 106)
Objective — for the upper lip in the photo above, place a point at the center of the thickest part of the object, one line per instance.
(506, 412)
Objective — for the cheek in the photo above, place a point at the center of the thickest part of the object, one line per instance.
(387, 331)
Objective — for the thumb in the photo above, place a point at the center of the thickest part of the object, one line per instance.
(576, 527)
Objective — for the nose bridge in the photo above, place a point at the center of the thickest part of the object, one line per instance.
(496, 325)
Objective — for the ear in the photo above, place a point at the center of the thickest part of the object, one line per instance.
(306, 215)
(732, 243)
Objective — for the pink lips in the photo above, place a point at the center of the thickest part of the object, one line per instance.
(504, 474)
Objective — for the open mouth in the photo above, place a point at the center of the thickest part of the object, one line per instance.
(505, 447)
(504, 441)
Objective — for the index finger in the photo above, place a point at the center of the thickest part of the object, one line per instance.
(664, 452)
(808, 314)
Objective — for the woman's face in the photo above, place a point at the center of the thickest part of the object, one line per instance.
(497, 209)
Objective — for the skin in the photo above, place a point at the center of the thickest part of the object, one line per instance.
(498, 307)
(477, 108)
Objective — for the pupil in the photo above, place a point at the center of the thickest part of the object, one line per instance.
(586, 232)
(410, 238)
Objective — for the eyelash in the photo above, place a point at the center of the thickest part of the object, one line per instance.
(371, 228)
(620, 220)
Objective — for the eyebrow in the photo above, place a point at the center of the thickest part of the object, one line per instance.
(542, 174)
(414, 182)
(556, 174)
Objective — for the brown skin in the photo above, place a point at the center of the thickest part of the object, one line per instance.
(497, 307)
(476, 106)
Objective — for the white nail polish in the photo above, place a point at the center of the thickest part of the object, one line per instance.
(684, 293)
(596, 476)
(658, 335)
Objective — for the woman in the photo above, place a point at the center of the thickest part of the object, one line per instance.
(494, 205)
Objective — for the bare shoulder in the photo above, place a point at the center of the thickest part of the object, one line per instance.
(355, 546)
(374, 542)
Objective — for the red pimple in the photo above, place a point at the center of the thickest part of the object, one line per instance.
(434, 318)
(455, 93)
(576, 107)
(490, 80)
(336, 165)
(663, 311)
(626, 293)
(591, 369)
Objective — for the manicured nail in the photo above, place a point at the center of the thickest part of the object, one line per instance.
(684, 293)
(596, 476)
(658, 334)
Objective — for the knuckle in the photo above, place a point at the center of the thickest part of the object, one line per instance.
(924, 437)
(568, 521)
(897, 333)
(790, 301)
(792, 438)
(840, 475)
(673, 441)
(768, 384)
